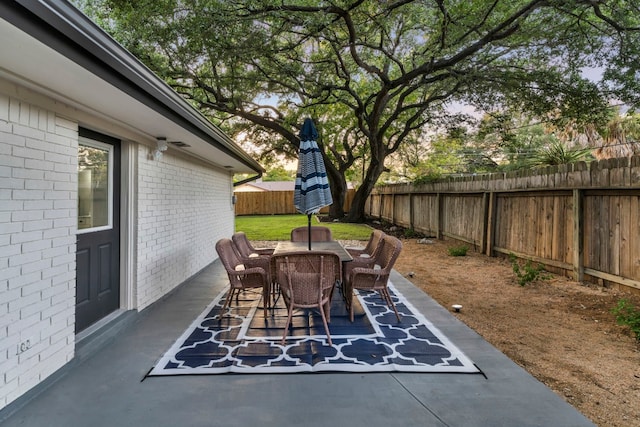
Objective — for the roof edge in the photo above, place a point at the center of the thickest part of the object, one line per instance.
(66, 29)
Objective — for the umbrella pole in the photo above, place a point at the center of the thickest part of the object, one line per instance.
(309, 220)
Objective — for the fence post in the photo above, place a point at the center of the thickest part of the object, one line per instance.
(393, 207)
(578, 235)
(439, 216)
(486, 240)
(411, 210)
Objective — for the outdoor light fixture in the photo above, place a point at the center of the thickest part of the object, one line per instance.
(161, 146)
(180, 144)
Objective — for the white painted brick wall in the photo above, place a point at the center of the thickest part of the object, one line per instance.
(38, 162)
(183, 210)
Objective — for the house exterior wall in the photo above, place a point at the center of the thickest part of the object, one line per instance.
(180, 208)
(183, 209)
(38, 169)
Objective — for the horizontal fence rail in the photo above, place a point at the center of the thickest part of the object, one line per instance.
(581, 220)
(275, 202)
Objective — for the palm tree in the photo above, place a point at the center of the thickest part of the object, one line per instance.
(557, 153)
(620, 138)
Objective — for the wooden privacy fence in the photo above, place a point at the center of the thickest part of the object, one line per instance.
(274, 202)
(581, 219)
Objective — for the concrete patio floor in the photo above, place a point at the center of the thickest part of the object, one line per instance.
(106, 388)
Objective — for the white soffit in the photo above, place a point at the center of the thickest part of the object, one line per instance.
(32, 64)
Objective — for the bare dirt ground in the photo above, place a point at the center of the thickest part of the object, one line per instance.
(560, 331)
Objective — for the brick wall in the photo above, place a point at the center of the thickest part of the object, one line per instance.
(183, 209)
(38, 153)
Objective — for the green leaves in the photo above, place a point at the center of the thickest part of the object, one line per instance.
(628, 315)
(383, 70)
(528, 273)
(557, 153)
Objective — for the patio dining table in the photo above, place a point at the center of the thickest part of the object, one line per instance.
(330, 246)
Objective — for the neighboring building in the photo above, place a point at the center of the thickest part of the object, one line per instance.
(98, 218)
(258, 186)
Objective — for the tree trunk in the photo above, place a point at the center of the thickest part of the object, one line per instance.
(338, 184)
(356, 212)
(338, 191)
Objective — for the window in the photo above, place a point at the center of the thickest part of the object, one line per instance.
(95, 186)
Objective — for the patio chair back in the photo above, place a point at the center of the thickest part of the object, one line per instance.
(241, 275)
(388, 253)
(242, 244)
(318, 234)
(245, 247)
(372, 245)
(364, 258)
(307, 280)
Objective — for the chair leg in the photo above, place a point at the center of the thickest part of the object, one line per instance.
(343, 290)
(387, 296)
(286, 327)
(272, 295)
(350, 297)
(266, 298)
(326, 309)
(227, 301)
(326, 326)
(275, 289)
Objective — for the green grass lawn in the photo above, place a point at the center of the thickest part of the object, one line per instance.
(278, 227)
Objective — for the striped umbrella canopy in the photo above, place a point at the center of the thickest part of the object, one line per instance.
(312, 190)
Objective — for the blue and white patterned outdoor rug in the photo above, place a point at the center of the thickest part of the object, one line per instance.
(241, 340)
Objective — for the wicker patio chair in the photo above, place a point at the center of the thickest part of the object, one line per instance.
(306, 280)
(372, 244)
(242, 276)
(252, 257)
(318, 234)
(374, 277)
(367, 258)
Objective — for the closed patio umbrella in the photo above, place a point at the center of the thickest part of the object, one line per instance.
(312, 190)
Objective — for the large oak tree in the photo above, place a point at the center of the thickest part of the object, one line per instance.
(374, 73)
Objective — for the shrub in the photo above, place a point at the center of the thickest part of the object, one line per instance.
(458, 250)
(627, 315)
(527, 273)
(428, 178)
(409, 233)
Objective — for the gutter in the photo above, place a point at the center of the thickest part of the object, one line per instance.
(244, 181)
